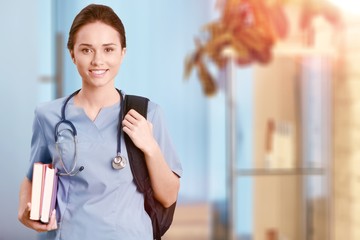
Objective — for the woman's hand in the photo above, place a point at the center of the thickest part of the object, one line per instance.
(139, 130)
(24, 218)
(164, 182)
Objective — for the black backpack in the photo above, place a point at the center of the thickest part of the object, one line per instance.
(161, 217)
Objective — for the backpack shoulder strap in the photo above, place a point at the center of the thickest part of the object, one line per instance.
(136, 156)
(161, 217)
(138, 103)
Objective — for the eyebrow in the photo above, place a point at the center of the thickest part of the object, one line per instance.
(104, 45)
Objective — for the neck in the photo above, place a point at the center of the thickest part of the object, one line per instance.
(97, 97)
(93, 100)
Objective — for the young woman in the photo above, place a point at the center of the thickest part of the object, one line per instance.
(95, 200)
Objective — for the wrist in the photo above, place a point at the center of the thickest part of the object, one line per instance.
(151, 149)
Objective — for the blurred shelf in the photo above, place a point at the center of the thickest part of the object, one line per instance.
(280, 171)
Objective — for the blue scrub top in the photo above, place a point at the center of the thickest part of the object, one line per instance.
(99, 202)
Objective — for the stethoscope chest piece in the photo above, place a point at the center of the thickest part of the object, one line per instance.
(119, 162)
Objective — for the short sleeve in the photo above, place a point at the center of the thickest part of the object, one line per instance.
(161, 134)
(39, 151)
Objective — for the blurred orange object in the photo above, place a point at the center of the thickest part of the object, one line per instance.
(249, 27)
(272, 234)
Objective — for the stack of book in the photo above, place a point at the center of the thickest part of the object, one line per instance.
(44, 190)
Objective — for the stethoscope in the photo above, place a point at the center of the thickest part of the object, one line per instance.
(119, 161)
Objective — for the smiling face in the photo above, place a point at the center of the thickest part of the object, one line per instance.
(97, 54)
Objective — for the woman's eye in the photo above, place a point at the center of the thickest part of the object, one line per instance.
(86, 50)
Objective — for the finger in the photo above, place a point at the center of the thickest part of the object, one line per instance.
(28, 209)
(127, 124)
(52, 225)
(128, 117)
(127, 130)
(135, 114)
(25, 217)
(39, 227)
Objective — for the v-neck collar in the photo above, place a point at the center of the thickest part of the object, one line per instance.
(103, 115)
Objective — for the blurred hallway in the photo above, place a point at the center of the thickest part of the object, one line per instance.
(272, 154)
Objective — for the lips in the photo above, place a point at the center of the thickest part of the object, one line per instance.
(98, 72)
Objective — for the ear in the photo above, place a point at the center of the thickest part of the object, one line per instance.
(123, 52)
(72, 55)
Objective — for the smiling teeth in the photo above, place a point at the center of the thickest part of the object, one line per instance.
(98, 72)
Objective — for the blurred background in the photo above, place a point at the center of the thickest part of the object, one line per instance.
(260, 98)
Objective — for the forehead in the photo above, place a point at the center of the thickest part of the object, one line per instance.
(97, 33)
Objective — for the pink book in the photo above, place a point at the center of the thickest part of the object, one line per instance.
(37, 190)
(49, 193)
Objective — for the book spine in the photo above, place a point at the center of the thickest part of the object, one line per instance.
(48, 193)
(36, 191)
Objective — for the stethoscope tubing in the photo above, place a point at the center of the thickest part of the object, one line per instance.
(73, 132)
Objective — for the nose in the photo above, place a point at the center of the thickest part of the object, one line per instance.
(97, 59)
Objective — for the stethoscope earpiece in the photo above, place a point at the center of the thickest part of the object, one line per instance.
(73, 173)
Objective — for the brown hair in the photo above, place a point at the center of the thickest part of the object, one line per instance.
(93, 13)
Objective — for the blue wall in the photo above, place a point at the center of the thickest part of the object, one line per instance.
(19, 77)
